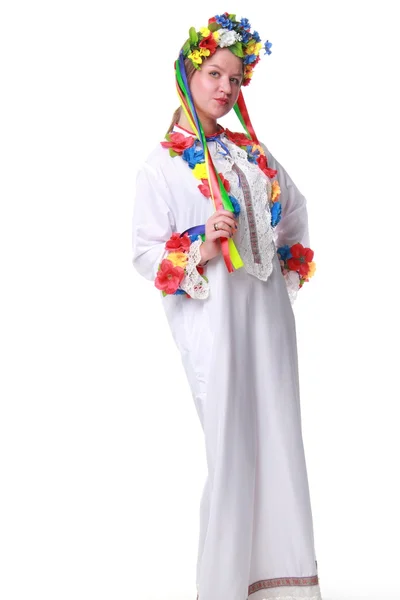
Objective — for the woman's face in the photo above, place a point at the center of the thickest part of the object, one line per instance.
(216, 86)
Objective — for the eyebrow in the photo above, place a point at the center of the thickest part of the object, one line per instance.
(221, 69)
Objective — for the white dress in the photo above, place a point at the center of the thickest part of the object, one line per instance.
(238, 346)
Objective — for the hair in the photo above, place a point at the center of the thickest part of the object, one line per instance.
(190, 70)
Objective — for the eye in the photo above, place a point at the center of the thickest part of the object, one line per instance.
(235, 80)
(214, 73)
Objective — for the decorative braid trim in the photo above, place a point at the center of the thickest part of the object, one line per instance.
(250, 213)
(291, 588)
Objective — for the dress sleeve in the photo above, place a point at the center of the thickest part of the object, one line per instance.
(160, 253)
(292, 233)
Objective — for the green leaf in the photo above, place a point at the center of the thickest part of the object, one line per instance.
(213, 27)
(173, 153)
(164, 293)
(186, 48)
(194, 38)
(237, 49)
(232, 17)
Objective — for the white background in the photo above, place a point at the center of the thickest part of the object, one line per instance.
(102, 454)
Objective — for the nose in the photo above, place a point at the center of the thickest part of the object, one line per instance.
(226, 85)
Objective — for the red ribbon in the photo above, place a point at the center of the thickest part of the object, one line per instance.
(243, 109)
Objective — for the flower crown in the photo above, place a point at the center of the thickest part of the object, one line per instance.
(224, 31)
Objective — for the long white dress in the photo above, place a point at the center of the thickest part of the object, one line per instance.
(238, 347)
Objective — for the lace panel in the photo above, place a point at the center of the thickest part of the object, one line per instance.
(258, 219)
(292, 281)
(193, 283)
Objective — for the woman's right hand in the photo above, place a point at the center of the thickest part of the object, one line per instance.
(226, 227)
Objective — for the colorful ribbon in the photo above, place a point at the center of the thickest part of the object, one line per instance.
(218, 192)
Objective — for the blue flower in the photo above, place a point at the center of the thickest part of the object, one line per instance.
(245, 23)
(276, 213)
(284, 252)
(252, 156)
(267, 47)
(193, 237)
(235, 204)
(256, 36)
(246, 35)
(224, 21)
(179, 292)
(193, 156)
(249, 58)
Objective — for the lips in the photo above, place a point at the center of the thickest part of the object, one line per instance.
(222, 101)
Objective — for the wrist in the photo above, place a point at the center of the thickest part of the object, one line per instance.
(204, 253)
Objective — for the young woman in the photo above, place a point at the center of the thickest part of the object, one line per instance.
(222, 231)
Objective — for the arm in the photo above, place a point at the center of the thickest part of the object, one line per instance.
(159, 252)
(291, 233)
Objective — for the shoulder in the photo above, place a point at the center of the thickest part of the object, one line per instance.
(156, 160)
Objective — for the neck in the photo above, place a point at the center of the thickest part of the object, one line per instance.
(210, 126)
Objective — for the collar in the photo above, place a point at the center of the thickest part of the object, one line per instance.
(179, 129)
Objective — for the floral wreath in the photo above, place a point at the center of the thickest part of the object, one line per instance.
(224, 31)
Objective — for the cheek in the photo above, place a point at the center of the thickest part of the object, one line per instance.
(235, 95)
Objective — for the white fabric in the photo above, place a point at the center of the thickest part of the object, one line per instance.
(238, 348)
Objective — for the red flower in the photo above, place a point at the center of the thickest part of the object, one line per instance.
(178, 142)
(225, 182)
(204, 187)
(168, 277)
(237, 138)
(300, 258)
(212, 20)
(209, 43)
(263, 164)
(178, 243)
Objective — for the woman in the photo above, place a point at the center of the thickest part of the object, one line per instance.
(222, 231)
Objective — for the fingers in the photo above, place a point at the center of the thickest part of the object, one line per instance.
(225, 228)
(225, 222)
(224, 214)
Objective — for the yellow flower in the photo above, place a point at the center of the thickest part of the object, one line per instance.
(250, 48)
(204, 52)
(178, 259)
(254, 48)
(195, 57)
(216, 35)
(275, 192)
(311, 269)
(205, 32)
(257, 147)
(257, 48)
(200, 171)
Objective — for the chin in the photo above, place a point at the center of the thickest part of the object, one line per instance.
(220, 112)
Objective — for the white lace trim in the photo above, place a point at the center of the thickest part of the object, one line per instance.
(193, 283)
(292, 280)
(260, 189)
